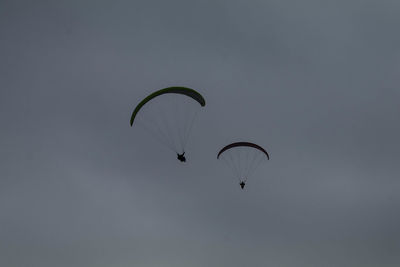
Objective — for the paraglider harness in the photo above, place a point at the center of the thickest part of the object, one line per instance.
(242, 184)
(181, 157)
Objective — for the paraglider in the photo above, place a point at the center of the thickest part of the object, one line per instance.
(181, 157)
(168, 115)
(243, 158)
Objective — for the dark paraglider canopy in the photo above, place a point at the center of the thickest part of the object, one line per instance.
(169, 90)
(238, 144)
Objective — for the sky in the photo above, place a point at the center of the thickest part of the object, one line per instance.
(314, 82)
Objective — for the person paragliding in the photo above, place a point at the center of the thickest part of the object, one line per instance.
(181, 157)
(243, 158)
(168, 115)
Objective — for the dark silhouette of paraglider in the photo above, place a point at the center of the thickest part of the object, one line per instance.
(168, 115)
(181, 157)
(243, 158)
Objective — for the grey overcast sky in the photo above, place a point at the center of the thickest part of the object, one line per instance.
(314, 82)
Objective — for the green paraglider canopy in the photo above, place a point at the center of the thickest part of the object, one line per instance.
(170, 90)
